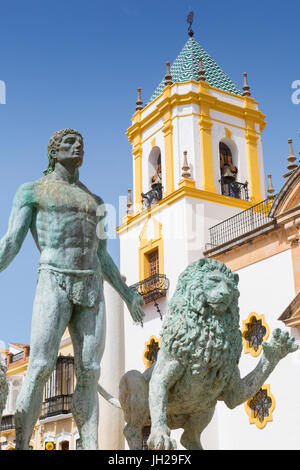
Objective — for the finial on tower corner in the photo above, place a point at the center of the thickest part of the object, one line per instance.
(246, 87)
(271, 190)
(292, 166)
(201, 72)
(190, 19)
(139, 103)
(129, 210)
(168, 76)
(186, 168)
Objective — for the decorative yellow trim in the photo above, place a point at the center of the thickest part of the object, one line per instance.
(250, 412)
(206, 140)
(148, 343)
(168, 100)
(183, 191)
(153, 142)
(248, 321)
(251, 140)
(175, 116)
(147, 246)
(162, 107)
(138, 175)
(8, 433)
(17, 369)
(187, 183)
(228, 133)
(168, 138)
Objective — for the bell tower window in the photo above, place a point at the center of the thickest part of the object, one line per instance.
(229, 185)
(155, 179)
(228, 170)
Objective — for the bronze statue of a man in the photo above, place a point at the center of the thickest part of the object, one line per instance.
(62, 215)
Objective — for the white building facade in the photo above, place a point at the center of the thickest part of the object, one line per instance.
(197, 162)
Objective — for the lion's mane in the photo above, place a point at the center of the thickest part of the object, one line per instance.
(193, 333)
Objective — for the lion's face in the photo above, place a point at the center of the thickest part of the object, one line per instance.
(219, 290)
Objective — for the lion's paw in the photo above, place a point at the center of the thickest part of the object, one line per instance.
(160, 440)
(280, 346)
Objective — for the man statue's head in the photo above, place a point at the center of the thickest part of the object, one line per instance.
(65, 146)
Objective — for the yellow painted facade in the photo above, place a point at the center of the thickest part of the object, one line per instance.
(60, 430)
(148, 245)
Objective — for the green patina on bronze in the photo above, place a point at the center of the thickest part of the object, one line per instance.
(197, 364)
(63, 217)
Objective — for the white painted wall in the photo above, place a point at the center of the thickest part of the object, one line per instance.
(267, 288)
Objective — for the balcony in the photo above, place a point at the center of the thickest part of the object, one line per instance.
(152, 288)
(240, 224)
(232, 188)
(153, 196)
(17, 357)
(61, 404)
(20, 356)
(58, 391)
(7, 423)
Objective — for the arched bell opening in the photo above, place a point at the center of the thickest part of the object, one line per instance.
(229, 172)
(154, 194)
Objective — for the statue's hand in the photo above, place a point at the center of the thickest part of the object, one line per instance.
(159, 439)
(135, 307)
(280, 346)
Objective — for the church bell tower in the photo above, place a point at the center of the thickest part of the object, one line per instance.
(197, 160)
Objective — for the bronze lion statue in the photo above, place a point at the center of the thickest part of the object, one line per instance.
(197, 364)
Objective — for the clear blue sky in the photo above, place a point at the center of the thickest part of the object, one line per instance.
(75, 63)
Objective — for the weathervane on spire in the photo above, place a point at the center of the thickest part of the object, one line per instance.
(189, 19)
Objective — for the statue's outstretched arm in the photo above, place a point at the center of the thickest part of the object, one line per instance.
(165, 374)
(18, 225)
(112, 275)
(240, 390)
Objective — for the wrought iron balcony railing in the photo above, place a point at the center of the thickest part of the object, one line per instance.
(240, 224)
(18, 356)
(7, 423)
(153, 196)
(152, 288)
(234, 189)
(61, 404)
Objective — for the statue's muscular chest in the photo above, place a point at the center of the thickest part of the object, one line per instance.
(57, 197)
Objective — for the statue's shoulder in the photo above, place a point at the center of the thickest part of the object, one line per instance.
(46, 179)
(26, 193)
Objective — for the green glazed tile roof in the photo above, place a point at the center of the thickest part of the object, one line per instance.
(186, 68)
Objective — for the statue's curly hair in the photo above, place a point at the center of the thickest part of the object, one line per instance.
(192, 331)
(54, 144)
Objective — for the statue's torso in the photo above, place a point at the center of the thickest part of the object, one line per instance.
(64, 225)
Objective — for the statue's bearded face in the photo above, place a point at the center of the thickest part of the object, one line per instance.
(218, 289)
(70, 150)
